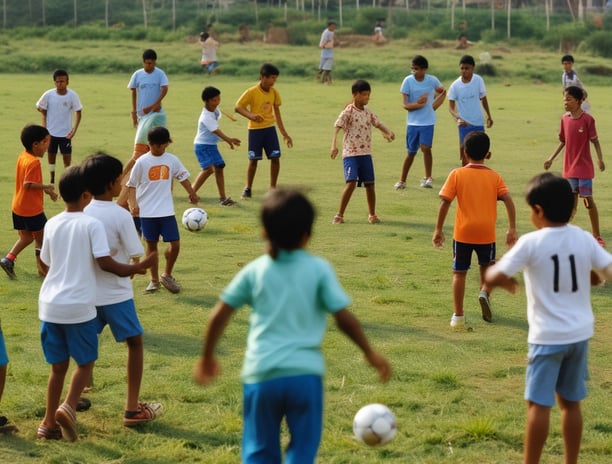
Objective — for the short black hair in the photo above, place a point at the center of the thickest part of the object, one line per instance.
(565, 58)
(420, 61)
(360, 85)
(467, 59)
(158, 135)
(60, 73)
(209, 93)
(477, 145)
(268, 70)
(99, 171)
(149, 54)
(575, 92)
(553, 194)
(287, 217)
(32, 133)
(72, 184)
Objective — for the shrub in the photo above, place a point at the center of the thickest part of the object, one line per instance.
(600, 43)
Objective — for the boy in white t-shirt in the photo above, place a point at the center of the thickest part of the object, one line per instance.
(115, 296)
(558, 260)
(150, 198)
(66, 303)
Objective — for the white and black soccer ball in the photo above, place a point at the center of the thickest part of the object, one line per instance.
(194, 219)
(374, 424)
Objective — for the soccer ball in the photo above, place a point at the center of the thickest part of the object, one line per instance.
(194, 219)
(374, 424)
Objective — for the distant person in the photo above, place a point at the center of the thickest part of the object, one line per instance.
(356, 120)
(577, 132)
(260, 104)
(283, 368)
(379, 37)
(570, 78)
(209, 53)
(150, 199)
(115, 296)
(557, 260)
(73, 248)
(326, 44)
(61, 114)
(465, 96)
(422, 94)
(477, 189)
(205, 144)
(28, 212)
(462, 42)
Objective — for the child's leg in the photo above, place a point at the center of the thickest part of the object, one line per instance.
(55, 386)
(371, 198)
(171, 255)
(134, 371)
(80, 377)
(274, 171)
(202, 176)
(251, 170)
(406, 166)
(349, 187)
(427, 160)
(458, 291)
(25, 238)
(38, 240)
(152, 247)
(67, 159)
(3, 370)
(575, 208)
(571, 426)
(220, 180)
(51, 158)
(593, 215)
(536, 432)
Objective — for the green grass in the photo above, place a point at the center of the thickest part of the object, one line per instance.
(457, 395)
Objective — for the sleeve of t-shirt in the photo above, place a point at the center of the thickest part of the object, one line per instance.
(99, 242)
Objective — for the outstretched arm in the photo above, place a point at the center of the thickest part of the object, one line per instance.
(207, 367)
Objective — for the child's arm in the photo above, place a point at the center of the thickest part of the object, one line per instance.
(551, 158)
(511, 235)
(132, 202)
(247, 114)
(387, 133)
(600, 161)
(417, 105)
(77, 121)
(496, 278)
(351, 327)
(134, 114)
(207, 367)
(193, 197)
(230, 140)
(438, 235)
(281, 126)
(485, 106)
(108, 264)
(155, 107)
(440, 97)
(49, 189)
(334, 148)
(43, 113)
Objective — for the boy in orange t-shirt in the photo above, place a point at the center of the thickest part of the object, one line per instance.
(477, 189)
(28, 216)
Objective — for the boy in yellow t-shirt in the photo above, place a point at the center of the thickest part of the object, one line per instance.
(477, 189)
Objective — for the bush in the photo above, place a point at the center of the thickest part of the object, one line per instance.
(600, 43)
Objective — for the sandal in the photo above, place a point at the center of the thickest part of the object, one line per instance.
(83, 405)
(47, 433)
(146, 413)
(66, 418)
(373, 219)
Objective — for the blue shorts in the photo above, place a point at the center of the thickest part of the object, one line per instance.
(583, 187)
(417, 136)
(62, 143)
(210, 67)
(326, 64)
(263, 139)
(465, 130)
(358, 169)
(208, 155)
(121, 318)
(462, 255)
(556, 368)
(299, 400)
(3, 356)
(62, 341)
(146, 123)
(167, 227)
(30, 223)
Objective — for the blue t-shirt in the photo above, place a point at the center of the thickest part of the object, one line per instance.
(290, 297)
(426, 116)
(149, 87)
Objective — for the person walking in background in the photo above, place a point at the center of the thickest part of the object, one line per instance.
(283, 368)
(477, 189)
(422, 94)
(28, 200)
(209, 53)
(357, 121)
(557, 260)
(326, 44)
(260, 104)
(570, 78)
(465, 96)
(576, 134)
(61, 114)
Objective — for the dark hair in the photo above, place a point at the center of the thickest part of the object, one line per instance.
(60, 73)
(360, 86)
(32, 133)
(209, 93)
(72, 184)
(467, 59)
(420, 61)
(553, 194)
(99, 171)
(330, 23)
(565, 58)
(204, 35)
(149, 54)
(159, 135)
(477, 145)
(575, 92)
(268, 70)
(287, 217)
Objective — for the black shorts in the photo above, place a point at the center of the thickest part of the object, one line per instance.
(64, 145)
(31, 223)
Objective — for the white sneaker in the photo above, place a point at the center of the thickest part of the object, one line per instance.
(457, 322)
(399, 185)
(427, 182)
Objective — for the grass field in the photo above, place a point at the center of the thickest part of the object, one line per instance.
(457, 395)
